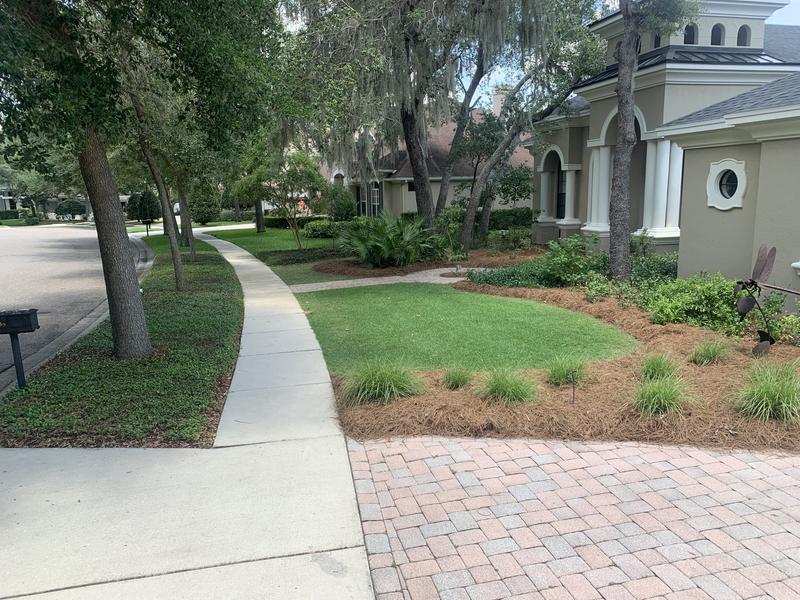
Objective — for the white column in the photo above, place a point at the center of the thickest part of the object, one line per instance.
(649, 186)
(604, 187)
(661, 185)
(545, 196)
(570, 200)
(592, 187)
(674, 187)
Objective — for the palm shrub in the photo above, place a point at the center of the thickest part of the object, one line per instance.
(379, 384)
(387, 241)
(565, 370)
(772, 392)
(658, 366)
(456, 378)
(660, 396)
(505, 386)
(706, 353)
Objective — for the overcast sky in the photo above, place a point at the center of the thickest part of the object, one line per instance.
(787, 16)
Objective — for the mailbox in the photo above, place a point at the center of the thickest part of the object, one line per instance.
(14, 322)
(19, 321)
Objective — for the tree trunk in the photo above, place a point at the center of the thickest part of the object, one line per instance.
(509, 141)
(168, 215)
(461, 125)
(259, 217)
(237, 209)
(419, 164)
(486, 214)
(620, 204)
(125, 306)
(186, 223)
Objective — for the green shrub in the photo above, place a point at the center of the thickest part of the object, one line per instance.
(707, 353)
(340, 202)
(31, 221)
(789, 330)
(281, 223)
(661, 396)
(565, 370)
(506, 386)
(598, 287)
(143, 206)
(654, 267)
(772, 392)
(379, 384)
(516, 238)
(324, 228)
(70, 207)
(387, 241)
(700, 300)
(510, 218)
(9, 214)
(454, 379)
(204, 204)
(658, 366)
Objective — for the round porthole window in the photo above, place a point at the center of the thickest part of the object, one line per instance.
(728, 184)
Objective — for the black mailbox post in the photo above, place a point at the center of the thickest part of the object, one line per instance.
(14, 322)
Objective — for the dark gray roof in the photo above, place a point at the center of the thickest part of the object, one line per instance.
(707, 55)
(777, 94)
(783, 42)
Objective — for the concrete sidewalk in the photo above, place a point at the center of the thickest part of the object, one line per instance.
(273, 515)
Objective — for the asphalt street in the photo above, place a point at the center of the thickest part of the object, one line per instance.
(56, 269)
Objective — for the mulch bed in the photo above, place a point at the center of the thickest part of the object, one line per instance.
(602, 409)
(477, 258)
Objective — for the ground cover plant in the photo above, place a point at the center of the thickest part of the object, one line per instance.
(432, 326)
(707, 353)
(456, 378)
(564, 369)
(772, 391)
(660, 396)
(379, 383)
(506, 386)
(658, 366)
(172, 398)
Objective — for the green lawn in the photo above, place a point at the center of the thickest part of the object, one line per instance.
(275, 248)
(431, 326)
(85, 397)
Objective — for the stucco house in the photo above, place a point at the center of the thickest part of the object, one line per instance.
(392, 188)
(729, 50)
(741, 158)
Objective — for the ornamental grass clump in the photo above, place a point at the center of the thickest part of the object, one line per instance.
(454, 379)
(565, 370)
(661, 396)
(506, 386)
(772, 392)
(707, 353)
(379, 384)
(658, 366)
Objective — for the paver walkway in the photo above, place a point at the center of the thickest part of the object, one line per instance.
(272, 515)
(490, 519)
(428, 276)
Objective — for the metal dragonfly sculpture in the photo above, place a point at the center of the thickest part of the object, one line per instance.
(753, 286)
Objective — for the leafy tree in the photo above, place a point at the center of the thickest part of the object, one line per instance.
(665, 17)
(143, 206)
(70, 207)
(205, 201)
(293, 186)
(513, 184)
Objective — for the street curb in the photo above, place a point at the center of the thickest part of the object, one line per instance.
(144, 261)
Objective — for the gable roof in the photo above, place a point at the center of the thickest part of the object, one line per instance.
(781, 93)
(783, 42)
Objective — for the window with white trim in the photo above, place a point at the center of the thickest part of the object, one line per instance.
(375, 199)
(727, 184)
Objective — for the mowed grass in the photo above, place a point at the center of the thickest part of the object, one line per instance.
(264, 246)
(431, 326)
(86, 397)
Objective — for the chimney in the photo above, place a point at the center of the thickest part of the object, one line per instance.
(499, 94)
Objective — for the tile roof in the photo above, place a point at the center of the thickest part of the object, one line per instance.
(783, 42)
(781, 93)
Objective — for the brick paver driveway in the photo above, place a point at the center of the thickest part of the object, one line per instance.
(488, 519)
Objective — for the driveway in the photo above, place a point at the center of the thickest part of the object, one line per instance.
(56, 269)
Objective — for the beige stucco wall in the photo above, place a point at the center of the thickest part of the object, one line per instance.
(713, 240)
(778, 209)
(683, 99)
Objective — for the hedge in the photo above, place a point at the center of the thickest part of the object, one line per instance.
(501, 218)
(282, 223)
(9, 214)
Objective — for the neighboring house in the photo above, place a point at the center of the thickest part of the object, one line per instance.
(392, 189)
(741, 160)
(729, 50)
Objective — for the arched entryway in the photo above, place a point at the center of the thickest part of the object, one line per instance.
(558, 196)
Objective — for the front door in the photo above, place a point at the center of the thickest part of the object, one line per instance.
(561, 195)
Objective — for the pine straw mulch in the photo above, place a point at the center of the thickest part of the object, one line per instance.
(350, 267)
(602, 409)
